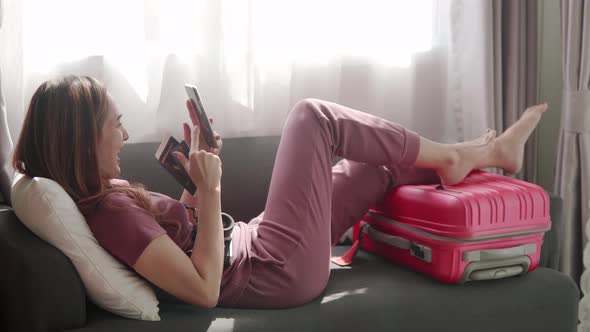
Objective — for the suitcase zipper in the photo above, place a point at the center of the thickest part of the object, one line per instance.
(450, 239)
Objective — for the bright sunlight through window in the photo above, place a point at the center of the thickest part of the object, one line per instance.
(388, 31)
(238, 36)
(309, 30)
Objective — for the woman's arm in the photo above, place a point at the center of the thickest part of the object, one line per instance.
(186, 198)
(208, 250)
(197, 279)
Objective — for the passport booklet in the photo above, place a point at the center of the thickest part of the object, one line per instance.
(172, 165)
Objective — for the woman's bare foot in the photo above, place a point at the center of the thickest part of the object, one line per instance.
(509, 147)
(462, 158)
(505, 152)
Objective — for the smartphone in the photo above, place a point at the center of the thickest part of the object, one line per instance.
(206, 130)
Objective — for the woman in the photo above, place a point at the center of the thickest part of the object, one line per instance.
(73, 133)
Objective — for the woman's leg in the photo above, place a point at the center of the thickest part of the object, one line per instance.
(356, 187)
(453, 162)
(290, 247)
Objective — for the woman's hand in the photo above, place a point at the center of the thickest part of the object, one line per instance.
(187, 131)
(203, 167)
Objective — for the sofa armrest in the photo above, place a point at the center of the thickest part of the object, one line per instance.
(550, 250)
(40, 289)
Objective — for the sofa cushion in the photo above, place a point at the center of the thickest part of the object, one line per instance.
(551, 242)
(247, 168)
(375, 295)
(6, 170)
(49, 212)
(40, 290)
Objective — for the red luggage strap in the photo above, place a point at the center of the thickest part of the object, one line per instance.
(417, 250)
(348, 256)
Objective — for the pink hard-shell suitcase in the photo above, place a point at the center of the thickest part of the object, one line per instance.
(487, 227)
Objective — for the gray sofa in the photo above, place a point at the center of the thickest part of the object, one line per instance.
(41, 291)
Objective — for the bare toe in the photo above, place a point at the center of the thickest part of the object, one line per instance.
(540, 108)
(510, 145)
(485, 138)
(489, 136)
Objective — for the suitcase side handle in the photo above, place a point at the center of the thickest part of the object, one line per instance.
(496, 269)
(418, 250)
(504, 253)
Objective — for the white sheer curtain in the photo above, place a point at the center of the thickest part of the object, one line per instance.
(425, 64)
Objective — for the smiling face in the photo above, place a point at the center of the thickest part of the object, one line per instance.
(111, 140)
(83, 156)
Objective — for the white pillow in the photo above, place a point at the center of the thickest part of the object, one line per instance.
(48, 211)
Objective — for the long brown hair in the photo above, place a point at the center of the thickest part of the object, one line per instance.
(59, 140)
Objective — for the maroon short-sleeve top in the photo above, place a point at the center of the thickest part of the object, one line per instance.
(125, 229)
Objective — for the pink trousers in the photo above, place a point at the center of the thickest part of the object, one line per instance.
(282, 257)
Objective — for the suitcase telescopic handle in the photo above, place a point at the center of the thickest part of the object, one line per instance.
(418, 250)
(504, 253)
(483, 264)
(425, 253)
